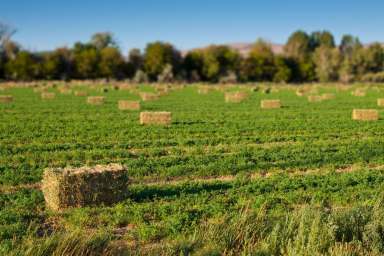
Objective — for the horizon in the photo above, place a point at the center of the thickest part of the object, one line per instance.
(186, 25)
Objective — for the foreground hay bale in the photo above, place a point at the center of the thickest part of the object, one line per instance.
(128, 105)
(268, 104)
(157, 118)
(95, 100)
(235, 97)
(365, 114)
(380, 102)
(81, 93)
(6, 98)
(47, 95)
(147, 96)
(314, 98)
(85, 186)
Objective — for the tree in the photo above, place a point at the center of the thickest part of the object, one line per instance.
(283, 73)
(348, 45)
(136, 59)
(219, 61)
(193, 65)
(57, 64)
(86, 59)
(140, 77)
(298, 45)
(327, 61)
(157, 56)
(167, 75)
(103, 40)
(321, 39)
(374, 58)
(111, 63)
(260, 64)
(22, 67)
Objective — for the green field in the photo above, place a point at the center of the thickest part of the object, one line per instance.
(223, 178)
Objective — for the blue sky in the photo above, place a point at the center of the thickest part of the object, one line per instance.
(45, 25)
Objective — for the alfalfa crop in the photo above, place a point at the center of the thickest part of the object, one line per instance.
(156, 118)
(6, 98)
(128, 105)
(235, 97)
(267, 104)
(365, 114)
(147, 96)
(95, 100)
(48, 95)
(77, 187)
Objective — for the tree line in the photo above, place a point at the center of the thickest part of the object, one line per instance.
(305, 58)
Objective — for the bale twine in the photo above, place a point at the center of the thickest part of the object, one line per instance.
(235, 97)
(128, 105)
(95, 100)
(85, 186)
(158, 118)
(6, 98)
(314, 98)
(266, 104)
(47, 95)
(147, 96)
(380, 102)
(81, 93)
(365, 114)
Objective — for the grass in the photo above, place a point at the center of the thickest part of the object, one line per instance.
(325, 212)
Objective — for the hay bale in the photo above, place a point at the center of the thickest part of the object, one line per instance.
(6, 98)
(128, 105)
(358, 93)
(365, 114)
(158, 118)
(47, 95)
(203, 90)
(327, 96)
(147, 96)
(95, 100)
(85, 186)
(235, 97)
(380, 102)
(314, 98)
(64, 90)
(266, 104)
(81, 93)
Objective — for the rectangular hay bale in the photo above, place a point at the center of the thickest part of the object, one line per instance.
(157, 118)
(380, 102)
(328, 96)
(77, 187)
(95, 100)
(314, 98)
(128, 105)
(147, 96)
(47, 95)
(267, 104)
(6, 98)
(365, 114)
(80, 93)
(235, 97)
